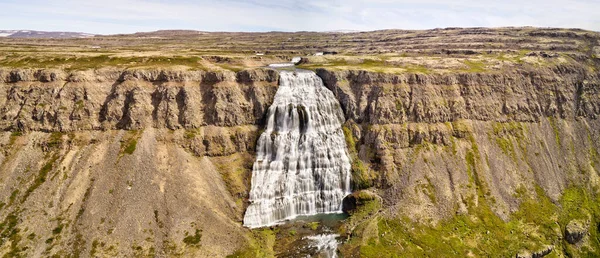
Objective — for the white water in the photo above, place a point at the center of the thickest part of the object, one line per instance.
(281, 65)
(326, 244)
(302, 165)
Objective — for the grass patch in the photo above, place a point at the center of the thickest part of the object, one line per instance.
(260, 244)
(193, 240)
(554, 125)
(71, 62)
(474, 66)
(362, 176)
(480, 233)
(41, 177)
(131, 147)
(129, 142)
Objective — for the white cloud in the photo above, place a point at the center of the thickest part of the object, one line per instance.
(121, 16)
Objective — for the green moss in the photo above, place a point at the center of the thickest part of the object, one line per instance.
(193, 240)
(349, 139)
(190, 134)
(54, 140)
(367, 207)
(362, 176)
(41, 177)
(94, 249)
(537, 222)
(260, 244)
(131, 147)
(399, 105)
(554, 125)
(313, 225)
(429, 190)
(10, 232)
(71, 63)
(416, 69)
(474, 66)
(58, 229)
(129, 142)
(13, 196)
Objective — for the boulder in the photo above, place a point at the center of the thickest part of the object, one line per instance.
(575, 231)
(356, 199)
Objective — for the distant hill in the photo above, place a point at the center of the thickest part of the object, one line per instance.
(42, 34)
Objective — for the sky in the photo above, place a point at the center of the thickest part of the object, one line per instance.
(128, 16)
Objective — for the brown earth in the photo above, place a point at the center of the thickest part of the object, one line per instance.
(156, 161)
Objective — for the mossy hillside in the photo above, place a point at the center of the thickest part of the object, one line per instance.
(70, 63)
(236, 171)
(362, 175)
(260, 244)
(537, 223)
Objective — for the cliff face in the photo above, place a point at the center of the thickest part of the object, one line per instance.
(440, 145)
(158, 162)
(528, 128)
(123, 163)
(110, 99)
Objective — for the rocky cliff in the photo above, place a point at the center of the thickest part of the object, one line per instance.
(145, 162)
(440, 145)
(128, 163)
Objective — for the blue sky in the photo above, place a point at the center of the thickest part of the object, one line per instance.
(127, 16)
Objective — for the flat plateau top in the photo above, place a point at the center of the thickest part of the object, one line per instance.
(390, 51)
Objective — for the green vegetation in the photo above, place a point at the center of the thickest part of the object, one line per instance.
(474, 66)
(131, 147)
(429, 190)
(362, 176)
(377, 64)
(193, 240)
(553, 122)
(260, 244)
(503, 135)
(10, 232)
(41, 177)
(481, 233)
(129, 142)
(71, 62)
(54, 140)
(313, 225)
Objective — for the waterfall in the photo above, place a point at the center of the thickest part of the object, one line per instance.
(302, 165)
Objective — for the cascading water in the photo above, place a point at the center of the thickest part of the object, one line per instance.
(326, 244)
(302, 165)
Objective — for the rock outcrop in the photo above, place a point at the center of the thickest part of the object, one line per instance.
(510, 129)
(104, 100)
(575, 231)
(538, 254)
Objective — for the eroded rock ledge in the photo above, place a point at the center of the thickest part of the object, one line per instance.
(51, 100)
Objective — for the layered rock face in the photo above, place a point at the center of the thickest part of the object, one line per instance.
(436, 140)
(75, 183)
(90, 157)
(111, 99)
